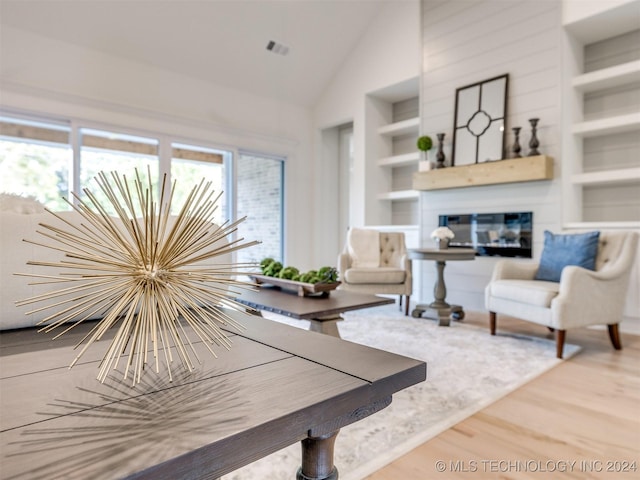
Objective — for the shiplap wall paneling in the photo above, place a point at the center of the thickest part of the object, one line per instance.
(405, 109)
(405, 212)
(615, 151)
(613, 51)
(466, 42)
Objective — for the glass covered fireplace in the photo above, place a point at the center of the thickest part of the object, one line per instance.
(492, 234)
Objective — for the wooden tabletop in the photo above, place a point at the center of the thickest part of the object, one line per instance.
(447, 254)
(283, 302)
(276, 386)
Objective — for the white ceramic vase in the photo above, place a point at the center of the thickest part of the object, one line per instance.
(443, 243)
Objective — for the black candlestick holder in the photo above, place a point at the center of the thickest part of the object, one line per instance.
(516, 142)
(440, 154)
(534, 143)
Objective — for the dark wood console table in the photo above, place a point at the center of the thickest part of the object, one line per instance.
(439, 308)
(278, 385)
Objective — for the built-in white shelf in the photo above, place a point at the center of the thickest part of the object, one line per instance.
(630, 225)
(394, 126)
(609, 19)
(608, 77)
(392, 227)
(395, 228)
(600, 33)
(618, 176)
(412, 125)
(399, 160)
(606, 126)
(399, 195)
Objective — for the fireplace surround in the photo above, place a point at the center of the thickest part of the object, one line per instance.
(507, 234)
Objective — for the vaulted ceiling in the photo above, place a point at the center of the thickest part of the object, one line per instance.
(219, 41)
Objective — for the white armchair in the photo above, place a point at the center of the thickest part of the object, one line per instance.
(376, 263)
(581, 298)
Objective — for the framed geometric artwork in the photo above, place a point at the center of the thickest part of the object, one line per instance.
(479, 122)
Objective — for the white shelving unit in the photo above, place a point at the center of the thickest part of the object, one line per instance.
(608, 77)
(399, 195)
(617, 176)
(398, 168)
(609, 225)
(399, 160)
(602, 85)
(608, 126)
(391, 131)
(404, 127)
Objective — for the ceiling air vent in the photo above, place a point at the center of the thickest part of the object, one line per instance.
(278, 48)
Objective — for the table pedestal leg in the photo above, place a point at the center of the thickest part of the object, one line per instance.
(439, 307)
(439, 289)
(440, 294)
(317, 458)
(327, 325)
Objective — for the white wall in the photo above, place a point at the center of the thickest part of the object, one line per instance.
(387, 54)
(466, 42)
(44, 76)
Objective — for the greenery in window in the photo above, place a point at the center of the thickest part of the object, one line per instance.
(36, 170)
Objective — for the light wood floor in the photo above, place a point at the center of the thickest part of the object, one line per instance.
(586, 410)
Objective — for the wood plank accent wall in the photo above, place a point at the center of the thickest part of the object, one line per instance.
(469, 41)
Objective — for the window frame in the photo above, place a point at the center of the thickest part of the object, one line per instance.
(282, 160)
(165, 151)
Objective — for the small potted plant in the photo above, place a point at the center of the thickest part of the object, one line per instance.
(424, 144)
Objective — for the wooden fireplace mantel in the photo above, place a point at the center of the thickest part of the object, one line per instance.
(513, 170)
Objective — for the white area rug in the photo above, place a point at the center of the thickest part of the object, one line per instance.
(467, 369)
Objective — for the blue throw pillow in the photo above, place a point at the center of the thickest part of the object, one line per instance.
(562, 250)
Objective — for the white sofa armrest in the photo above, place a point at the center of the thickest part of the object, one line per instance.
(603, 286)
(587, 297)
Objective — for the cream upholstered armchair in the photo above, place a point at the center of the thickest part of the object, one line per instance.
(377, 263)
(580, 298)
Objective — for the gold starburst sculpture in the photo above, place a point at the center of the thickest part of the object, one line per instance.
(142, 272)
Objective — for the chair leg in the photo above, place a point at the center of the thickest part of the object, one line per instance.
(614, 335)
(406, 304)
(492, 322)
(560, 334)
(400, 302)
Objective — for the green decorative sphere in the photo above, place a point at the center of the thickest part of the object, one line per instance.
(424, 143)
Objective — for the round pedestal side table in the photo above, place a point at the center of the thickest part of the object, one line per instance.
(439, 309)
